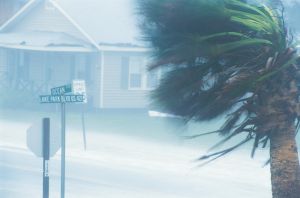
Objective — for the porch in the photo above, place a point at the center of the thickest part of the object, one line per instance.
(36, 72)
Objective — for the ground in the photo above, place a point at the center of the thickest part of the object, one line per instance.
(129, 155)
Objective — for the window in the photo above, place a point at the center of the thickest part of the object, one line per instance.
(139, 77)
(135, 73)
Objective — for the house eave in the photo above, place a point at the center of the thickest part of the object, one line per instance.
(123, 49)
(19, 14)
(48, 49)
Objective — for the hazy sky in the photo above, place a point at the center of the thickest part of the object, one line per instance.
(292, 1)
(110, 21)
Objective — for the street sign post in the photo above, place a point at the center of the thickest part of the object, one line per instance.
(45, 144)
(64, 94)
(80, 88)
(63, 149)
(46, 156)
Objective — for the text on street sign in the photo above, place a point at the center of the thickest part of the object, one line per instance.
(61, 90)
(79, 87)
(60, 99)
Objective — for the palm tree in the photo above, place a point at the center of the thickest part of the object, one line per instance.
(233, 58)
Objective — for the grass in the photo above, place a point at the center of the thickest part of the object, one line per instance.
(136, 123)
(130, 123)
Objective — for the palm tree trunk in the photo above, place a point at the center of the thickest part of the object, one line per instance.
(280, 110)
(277, 112)
(285, 164)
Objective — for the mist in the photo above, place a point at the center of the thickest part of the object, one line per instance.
(87, 60)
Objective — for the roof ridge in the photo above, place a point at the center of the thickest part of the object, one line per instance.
(71, 20)
(26, 7)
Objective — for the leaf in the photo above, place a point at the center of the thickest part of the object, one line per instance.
(236, 45)
(223, 152)
(274, 72)
(253, 25)
(200, 39)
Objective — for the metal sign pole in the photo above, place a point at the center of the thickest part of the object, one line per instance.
(83, 127)
(58, 96)
(63, 148)
(46, 155)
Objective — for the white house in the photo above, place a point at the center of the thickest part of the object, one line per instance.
(9, 8)
(48, 43)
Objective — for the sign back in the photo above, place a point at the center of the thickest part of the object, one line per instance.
(35, 139)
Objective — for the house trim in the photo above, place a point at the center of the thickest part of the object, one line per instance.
(84, 33)
(19, 14)
(48, 49)
(33, 3)
(123, 49)
(101, 79)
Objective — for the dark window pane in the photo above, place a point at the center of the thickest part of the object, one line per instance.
(135, 81)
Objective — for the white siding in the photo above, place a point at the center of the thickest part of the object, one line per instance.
(8, 8)
(114, 95)
(96, 82)
(36, 67)
(43, 19)
(4, 78)
(60, 65)
(54, 65)
(3, 60)
(82, 62)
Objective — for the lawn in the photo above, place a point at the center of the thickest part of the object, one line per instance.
(129, 154)
(136, 123)
(127, 122)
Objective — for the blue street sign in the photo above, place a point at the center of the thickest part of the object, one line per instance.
(61, 90)
(61, 99)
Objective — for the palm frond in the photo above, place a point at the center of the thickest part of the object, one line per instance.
(244, 46)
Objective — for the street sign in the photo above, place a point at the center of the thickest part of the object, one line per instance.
(62, 95)
(79, 87)
(61, 90)
(35, 139)
(61, 99)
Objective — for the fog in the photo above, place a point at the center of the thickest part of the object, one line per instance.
(133, 150)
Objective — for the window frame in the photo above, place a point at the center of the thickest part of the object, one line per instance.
(144, 75)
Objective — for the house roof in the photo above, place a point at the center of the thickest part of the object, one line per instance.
(48, 41)
(22, 12)
(122, 47)
(11, 7)
(107, 25)
(112, 21)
